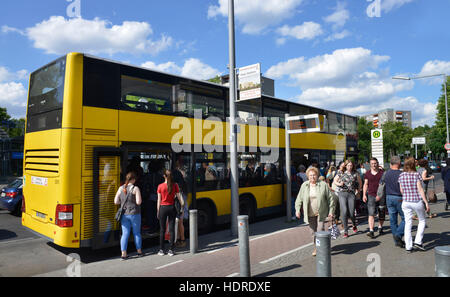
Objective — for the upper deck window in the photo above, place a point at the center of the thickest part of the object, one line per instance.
(46, 95)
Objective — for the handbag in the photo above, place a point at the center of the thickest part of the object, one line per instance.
(334, 230)
(381, 192)
(122, 209)
(431, 194)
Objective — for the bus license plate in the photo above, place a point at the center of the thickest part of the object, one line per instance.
(40, 215)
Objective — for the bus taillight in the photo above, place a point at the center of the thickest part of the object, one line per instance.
(64, 215)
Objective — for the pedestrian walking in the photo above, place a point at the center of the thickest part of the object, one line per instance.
(445, 175)
(427, 176)
(413, 194)
(317, 201)
(348, 183)
(374, 204)
(167, 192)
(129, 196)
(394, 201)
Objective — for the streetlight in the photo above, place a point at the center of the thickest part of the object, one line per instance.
(445, 93)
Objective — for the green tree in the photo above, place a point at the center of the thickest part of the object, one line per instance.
(396, 139)
(439, 136)
(364, 140)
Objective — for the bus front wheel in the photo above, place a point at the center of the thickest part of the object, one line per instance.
(205, 218)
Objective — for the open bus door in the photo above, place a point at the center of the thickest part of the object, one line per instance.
(106, 180)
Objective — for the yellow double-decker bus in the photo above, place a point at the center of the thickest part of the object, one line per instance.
(91, 120)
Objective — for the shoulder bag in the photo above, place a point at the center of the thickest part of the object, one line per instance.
(122, 208)
(431, 194)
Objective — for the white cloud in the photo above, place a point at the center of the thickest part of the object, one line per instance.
(350, 81)
(308, 30)
(338, 35)
(13, 93)
(339, 17)
(193, 68)
(388, 5)
(435, 67)
(256, 15)
(334, 69)
(58, 35)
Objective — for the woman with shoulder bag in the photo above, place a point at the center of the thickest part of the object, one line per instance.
(167, 192)
(427, 176)
(129, 197)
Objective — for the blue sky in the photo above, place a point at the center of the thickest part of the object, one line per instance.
(338, 55)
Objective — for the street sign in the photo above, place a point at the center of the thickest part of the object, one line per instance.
(447, 146)
(377, 145)
(418, 140)
(306, 123)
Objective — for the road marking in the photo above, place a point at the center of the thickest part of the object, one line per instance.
(225, 247)
(19, 240)
(286, 253)
(273, 233)
(170, 264)
(233, 274)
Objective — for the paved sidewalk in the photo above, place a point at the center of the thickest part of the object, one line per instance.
(278, 248)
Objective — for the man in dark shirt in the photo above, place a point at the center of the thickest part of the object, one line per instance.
(371, 182)
(394, 201)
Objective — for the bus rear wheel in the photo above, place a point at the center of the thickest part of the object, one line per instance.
(205, 218)
(247, 207)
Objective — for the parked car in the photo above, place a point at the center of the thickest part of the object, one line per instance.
(434, 166)
(11, 196)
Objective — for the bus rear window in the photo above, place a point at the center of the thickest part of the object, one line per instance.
(46, 97)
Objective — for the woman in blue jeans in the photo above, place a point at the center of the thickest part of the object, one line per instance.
(129, 196)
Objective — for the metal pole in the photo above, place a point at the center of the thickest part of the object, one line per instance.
(446, 111)
(416, 150)
(234, 178)
(323, 256)
(244, 249)
(193, 231)
(288, 170)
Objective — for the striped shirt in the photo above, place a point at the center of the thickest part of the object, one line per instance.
(408, 182)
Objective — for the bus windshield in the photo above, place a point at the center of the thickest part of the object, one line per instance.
(46, 97)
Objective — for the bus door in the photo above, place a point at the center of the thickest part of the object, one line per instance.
(107, 165)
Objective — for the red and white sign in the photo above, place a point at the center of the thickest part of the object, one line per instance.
(447, 146)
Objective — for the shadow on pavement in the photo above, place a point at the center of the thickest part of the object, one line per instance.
(432, 240)
(353, 248)
(6, 234)
(275, 271)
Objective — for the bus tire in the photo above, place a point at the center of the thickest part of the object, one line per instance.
(247, 206)
(205, 217)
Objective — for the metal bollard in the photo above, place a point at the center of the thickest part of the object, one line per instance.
(442, 261)
(193, 231)
(323, 257)
(244, 250)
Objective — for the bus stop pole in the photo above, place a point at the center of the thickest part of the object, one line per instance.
(288, 171)
(233, 128)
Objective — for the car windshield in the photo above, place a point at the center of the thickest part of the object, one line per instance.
(16, 183)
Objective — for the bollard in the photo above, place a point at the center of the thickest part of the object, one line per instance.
(244, 250)
(323, 257)
(442, 261)
(193, 231)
